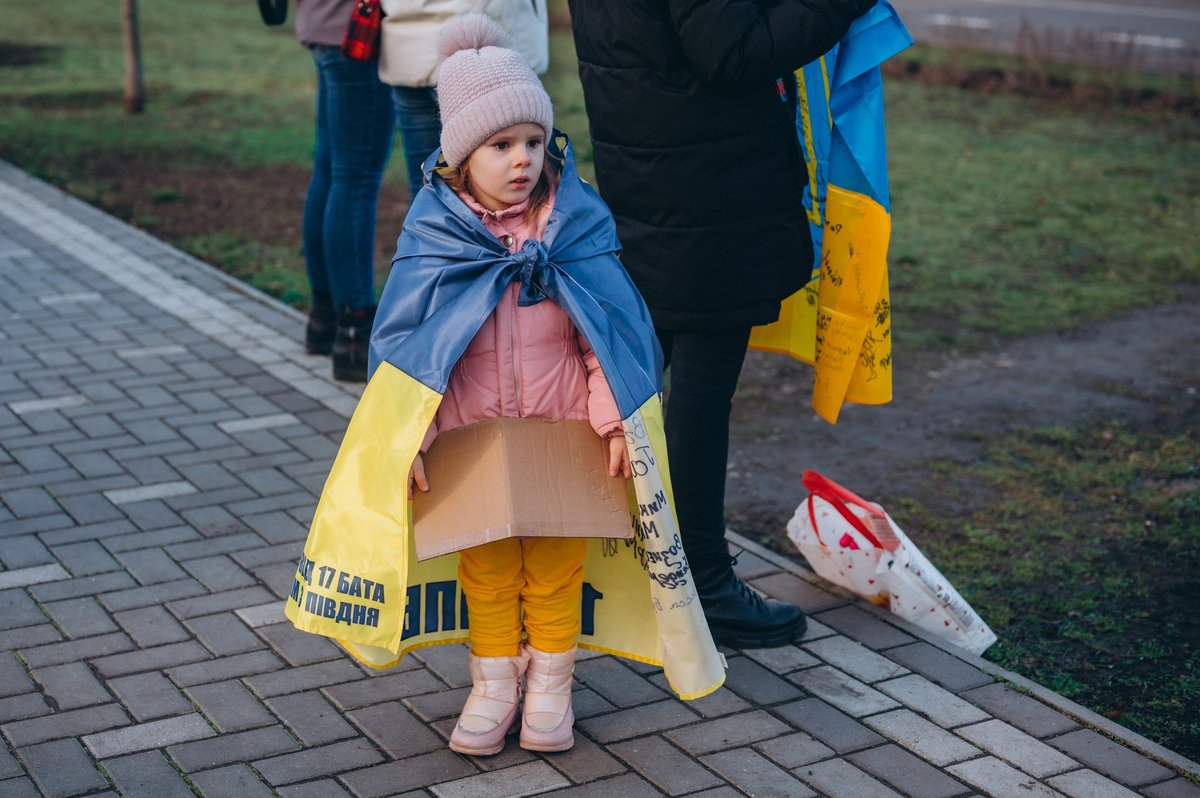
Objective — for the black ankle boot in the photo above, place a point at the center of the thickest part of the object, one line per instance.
(322, 326)
(350, 344)
(739, 617)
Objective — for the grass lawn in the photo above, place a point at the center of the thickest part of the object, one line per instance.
(1040, 217)
(1084, 561)
(219, 84)
(1012, 215)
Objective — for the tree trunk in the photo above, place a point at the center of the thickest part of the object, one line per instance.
(135, 93)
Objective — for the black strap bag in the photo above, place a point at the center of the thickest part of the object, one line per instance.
(274, 12)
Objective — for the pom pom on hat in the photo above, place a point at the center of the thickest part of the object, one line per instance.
(484, 87)
(470, 32)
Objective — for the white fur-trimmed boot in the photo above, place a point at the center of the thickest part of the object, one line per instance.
(491, 709)
(548, 720)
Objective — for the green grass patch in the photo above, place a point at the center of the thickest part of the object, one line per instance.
(269, 269)
(217, 82)
(1085, 562)
(1013, 216)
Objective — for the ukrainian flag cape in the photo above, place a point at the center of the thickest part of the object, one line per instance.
(841, 320)
(359, 580)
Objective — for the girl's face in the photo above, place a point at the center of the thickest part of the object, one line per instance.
(504, 169)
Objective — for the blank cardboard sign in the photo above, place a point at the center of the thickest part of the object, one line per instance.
(507, 477)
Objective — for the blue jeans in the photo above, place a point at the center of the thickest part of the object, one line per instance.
(355, 122)
(420, 128)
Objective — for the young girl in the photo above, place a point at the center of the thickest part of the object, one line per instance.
(506, 298)
(527, 360)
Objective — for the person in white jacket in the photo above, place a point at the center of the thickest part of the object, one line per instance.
(408, 61)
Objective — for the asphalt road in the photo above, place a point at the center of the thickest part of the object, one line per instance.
(1155, 34)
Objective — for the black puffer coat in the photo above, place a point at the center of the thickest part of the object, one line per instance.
(696, 153)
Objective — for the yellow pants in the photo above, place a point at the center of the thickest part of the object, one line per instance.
(540, 577)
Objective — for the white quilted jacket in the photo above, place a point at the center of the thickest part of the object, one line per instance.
(408, 49)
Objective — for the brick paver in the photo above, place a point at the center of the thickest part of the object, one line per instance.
(992, 777)
(1017, 748)
(753, 774)
(794, 750)
(925, 739)
(839, 779)
(234, 780)
(152, 734)
(231, 748)
(62, 767)
(1110, 758)
(163, 441)
(29, 705)
(147, 773)
(825, 723)
(906, 772)
(150, 695)
(71, 686)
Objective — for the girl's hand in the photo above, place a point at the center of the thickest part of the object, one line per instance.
(416, 475)
(618, 457)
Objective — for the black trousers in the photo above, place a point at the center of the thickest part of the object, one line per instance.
(704, 369)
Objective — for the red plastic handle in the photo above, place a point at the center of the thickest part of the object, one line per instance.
(839, 497)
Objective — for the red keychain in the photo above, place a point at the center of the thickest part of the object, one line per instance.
(362, 34)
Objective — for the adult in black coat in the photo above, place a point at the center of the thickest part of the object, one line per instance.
(697, 156)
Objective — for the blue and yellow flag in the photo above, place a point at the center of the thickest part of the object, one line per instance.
(841, 320)
(359, 580)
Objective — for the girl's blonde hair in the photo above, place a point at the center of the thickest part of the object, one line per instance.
(459, 179)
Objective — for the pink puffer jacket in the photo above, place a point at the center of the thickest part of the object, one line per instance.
(525, 362)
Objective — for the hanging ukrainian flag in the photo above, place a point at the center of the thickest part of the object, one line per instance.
(359, 580)
(841, 320)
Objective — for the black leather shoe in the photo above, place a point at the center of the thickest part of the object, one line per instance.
(350, 344)
(739, 617)
(321, 328)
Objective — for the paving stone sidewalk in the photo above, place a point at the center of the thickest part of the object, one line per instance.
(163, 441)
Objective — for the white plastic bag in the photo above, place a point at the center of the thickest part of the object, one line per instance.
(855, 544)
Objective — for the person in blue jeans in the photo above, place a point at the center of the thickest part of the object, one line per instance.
(420, 128)
(355, 121)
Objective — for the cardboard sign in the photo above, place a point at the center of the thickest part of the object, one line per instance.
(525, 477)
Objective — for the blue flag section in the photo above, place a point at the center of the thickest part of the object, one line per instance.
(448, 275)
(841, 320)
(845, 88)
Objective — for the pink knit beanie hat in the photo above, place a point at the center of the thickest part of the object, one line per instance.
(483, 87)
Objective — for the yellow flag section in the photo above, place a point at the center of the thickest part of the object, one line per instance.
(359, 580)
(350, 581)
(841, 321)
(853, 335)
